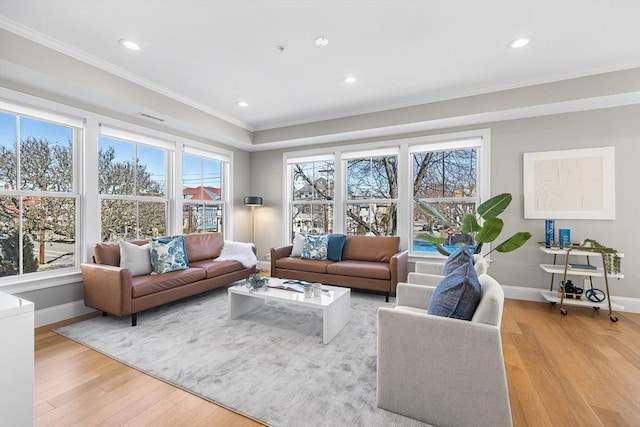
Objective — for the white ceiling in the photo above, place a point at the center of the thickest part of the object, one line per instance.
(209, 54)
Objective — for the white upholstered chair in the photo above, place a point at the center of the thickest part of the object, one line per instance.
(440, 370)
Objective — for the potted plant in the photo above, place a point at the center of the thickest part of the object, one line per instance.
(484, 226)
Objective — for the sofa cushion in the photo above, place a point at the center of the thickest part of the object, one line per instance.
(136, 258)
(301, 264)
(152, 283)
(335, 246)
(217, 268)
(457, 295)
(298, 244)
(315, 247)
(371, 248)
(168, 255)
(203, 245)
(371, 270)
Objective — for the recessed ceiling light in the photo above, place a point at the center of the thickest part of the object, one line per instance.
(322, 41)
(350, 80)
(519, 42)
(243, 104)
(129, 44)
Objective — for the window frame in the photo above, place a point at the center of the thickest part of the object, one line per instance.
(77, 127)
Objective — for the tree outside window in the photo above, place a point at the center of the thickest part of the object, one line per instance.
(132, 183)
(447, 180)
(312, 186)
(37, 195)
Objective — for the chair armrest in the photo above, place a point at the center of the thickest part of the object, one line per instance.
(424, 279)
(107, 288)
(429, 267)
(419, 353)
(277, 253)
(398, 266)
(410, 295)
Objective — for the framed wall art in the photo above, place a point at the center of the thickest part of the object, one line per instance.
(570, 184)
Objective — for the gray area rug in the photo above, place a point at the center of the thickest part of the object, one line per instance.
(269, 364)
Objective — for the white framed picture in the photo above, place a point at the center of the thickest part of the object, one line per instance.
(570, 184)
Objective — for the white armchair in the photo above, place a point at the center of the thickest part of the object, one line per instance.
(439, 370)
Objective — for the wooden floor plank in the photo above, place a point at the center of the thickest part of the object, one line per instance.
(575, 370)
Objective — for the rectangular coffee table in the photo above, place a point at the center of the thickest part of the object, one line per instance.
(335, 304)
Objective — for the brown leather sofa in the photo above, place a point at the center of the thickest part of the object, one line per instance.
(373, 263)
(112, 289)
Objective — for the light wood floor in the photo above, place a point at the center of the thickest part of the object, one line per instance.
(574, 370)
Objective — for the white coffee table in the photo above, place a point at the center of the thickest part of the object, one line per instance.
(335, 304)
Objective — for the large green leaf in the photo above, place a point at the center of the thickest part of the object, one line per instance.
(494, 206)
(443, 250)
(436, 240)
(430, 210)
(490, 230)
(514, 242)
(469, 224)
(478, 250)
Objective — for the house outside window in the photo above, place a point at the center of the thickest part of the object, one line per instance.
(445, 177)
(311, 195)
(203, 194)
(132, 184)
(39, 200)
(372, 195)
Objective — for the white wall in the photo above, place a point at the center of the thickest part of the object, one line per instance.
(618, 127)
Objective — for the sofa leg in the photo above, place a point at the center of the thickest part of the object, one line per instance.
(386, 297)
(105, 314)
(134, 319)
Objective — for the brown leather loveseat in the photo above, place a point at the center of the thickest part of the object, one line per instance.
(113, 289)
(373, 263)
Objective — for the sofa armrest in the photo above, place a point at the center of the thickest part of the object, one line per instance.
(398, 266)
(107, 288)
(277, 253)
(417, 296)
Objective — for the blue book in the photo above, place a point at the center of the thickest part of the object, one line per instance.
(583, 266)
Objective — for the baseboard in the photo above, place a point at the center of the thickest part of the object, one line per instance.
(631, 305)
(61, 312)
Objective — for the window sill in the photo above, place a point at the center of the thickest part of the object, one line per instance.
(19, 284)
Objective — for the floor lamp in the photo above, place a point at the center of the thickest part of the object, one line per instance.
(252, 201)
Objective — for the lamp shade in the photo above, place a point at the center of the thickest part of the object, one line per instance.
(253, 201)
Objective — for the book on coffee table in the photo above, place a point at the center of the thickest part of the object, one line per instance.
(289, 285)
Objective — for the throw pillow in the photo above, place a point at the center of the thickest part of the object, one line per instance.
(168, 255)
(315, 247)
(335, 246)
(135, 258)
(460, 257)
(298, 243)
(457, 295)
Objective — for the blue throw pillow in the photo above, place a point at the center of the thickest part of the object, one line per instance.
(457, 295)
(315, 246)
(460, 257)
(168, 255)
(335, 246)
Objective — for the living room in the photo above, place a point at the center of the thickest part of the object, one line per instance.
(581, 100)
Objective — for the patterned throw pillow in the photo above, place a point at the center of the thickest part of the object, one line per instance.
(168, 255)
(315, 247)
(457, 295)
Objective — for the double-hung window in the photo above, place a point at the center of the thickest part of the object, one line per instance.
(445, 176)
(311, 194)
(203, 191)
(133, 181)
(372, 193)
(39, 200)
